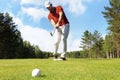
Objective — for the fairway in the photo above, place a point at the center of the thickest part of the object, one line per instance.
(72, 69)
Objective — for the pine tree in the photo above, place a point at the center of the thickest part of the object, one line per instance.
(10, 37)
(92, 44)
(112, 14)
(97, 43)
(109, 46)
(87, 42)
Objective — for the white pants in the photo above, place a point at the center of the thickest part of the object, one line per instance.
(61, 34)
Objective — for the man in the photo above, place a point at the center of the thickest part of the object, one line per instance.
(59, 21)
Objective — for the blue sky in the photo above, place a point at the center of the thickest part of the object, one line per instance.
(31, 18)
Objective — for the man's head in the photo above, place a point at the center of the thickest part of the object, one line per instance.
(49, 6)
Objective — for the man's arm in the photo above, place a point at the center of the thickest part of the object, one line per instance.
(60, 18)
(53, 23)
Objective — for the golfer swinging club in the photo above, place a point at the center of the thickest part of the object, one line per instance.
(59, 21)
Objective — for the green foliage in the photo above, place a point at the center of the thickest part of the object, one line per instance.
(112, 14)
(86, 42)
(77, 54)
(32, 51)
(74, 54)
(92, 44)
(10, 37)
(28, 50)
(97, 44)
(109, 45)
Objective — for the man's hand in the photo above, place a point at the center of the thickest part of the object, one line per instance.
(57, 25)
(54, 25)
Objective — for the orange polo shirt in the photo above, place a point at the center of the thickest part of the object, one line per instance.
(55, 16)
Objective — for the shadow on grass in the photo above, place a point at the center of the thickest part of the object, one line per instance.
(43, 76)
(38, 77)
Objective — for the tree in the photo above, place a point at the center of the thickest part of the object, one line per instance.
(87, 42)
(38, 52)
(109, 46)
(92, 44)
(112, 14)
(97, 43)
(10, 37)
(28, 50)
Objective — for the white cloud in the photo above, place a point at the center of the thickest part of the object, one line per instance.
(37, 36)
(76, 7)
(73, 44)
(34, 2)
(35, 13)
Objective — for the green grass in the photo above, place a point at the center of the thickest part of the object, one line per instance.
(72, 69)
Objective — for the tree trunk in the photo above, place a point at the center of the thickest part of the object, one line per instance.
(118, 54)
(107, 55)
(110, 54)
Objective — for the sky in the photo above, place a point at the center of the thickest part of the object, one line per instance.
(32, 21)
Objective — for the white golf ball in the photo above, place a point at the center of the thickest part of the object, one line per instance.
(35, 72)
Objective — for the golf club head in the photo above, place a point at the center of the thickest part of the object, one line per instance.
(51, 34)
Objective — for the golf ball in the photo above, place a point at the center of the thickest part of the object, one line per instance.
(35, 72)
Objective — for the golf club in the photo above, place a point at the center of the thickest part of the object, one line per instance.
(52, 33)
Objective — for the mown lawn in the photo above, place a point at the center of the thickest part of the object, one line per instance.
(72, 69)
